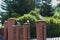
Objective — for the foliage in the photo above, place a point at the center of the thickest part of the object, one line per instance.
(32, 15)
(19, 6)
(53, 24)
(26, 17)
(58, 5)
(57, 9)
(35, 12)
(53, 27)
(46, 9)
(48, 1)
(1, 27)
(14, 15)
(3, 17)
(32, 19)
(57, 15)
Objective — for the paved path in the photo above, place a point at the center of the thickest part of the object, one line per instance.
(56, 38)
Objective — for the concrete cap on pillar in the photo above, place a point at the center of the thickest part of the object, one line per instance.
(14, 25)
(6, 24)
(10, 19)
(26, 23)
(18, 24)
(5, 21)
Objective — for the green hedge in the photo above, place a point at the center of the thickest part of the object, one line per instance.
(35, 12)
(1, 27)
(57, 15)
(53, 24)
(26, 17)
(53, 27)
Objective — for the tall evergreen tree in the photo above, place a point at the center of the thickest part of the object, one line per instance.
(19, 6)
(46, 9)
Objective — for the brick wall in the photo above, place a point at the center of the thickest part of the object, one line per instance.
(41, 30)
(22, 32)
(2, 32)
(26, 31)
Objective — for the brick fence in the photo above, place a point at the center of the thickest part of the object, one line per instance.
(22, 32)
(1, 32)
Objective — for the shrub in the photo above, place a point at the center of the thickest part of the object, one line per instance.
(53, 26)
(26, 17)
(36, 13)
(57, 15)
(1, 27)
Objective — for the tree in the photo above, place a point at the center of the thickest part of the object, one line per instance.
(46, 9)
(3, 17)
(16, 8)
(19, 6)
(58, 5)
(58, 8)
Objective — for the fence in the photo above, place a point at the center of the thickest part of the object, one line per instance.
(1, 34)
(22, 32)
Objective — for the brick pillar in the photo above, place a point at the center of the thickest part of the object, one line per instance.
(19, 31)
(26, 31)
(11, 22)
(14, 32)
(41, 30)
(5, 30)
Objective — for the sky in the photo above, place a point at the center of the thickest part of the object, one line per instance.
(55, 2)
